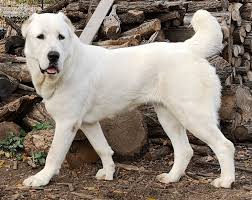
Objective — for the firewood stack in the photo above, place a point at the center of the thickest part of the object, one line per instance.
(241, 12)
(236, 109)
(131, 23)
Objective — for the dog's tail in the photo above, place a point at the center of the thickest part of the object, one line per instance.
(207, 39)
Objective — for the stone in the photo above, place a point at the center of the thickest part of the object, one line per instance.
(81, 152)
(8, 127)
(37, 115)
(38, 141)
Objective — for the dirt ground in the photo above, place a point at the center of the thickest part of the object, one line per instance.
(135, 183)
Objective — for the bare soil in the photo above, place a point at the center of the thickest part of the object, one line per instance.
(134, 184)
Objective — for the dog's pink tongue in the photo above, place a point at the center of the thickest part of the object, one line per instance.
(51, 70)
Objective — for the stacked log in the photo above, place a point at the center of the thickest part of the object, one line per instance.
(237, 94)
(131, 23)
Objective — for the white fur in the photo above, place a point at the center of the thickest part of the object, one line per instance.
(95, 83)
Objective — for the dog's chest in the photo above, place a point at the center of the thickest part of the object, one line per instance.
(109, 110)
(57, 109)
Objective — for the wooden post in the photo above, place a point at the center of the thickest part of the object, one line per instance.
(95, 21)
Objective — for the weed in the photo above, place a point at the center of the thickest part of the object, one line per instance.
(13, 143)
(42, 126)
(39, 158)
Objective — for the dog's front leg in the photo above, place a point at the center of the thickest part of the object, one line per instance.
(64, 134)
(97, 139)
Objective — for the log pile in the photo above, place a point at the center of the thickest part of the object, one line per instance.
(235, 112)
(131, 23)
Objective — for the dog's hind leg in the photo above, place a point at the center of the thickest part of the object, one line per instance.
(97, 139)
(209, 133)
(182, 149)
(201, 121)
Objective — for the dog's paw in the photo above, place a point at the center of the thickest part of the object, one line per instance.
(34, 181)
(103, 174)
(223, 182)
(167, 178)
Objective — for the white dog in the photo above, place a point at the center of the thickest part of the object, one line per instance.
(83, 84)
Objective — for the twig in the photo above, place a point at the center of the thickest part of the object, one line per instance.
(36, 188)
(217, 165)
(85, 196)
(13, 25)
(70, 186)
(129, 167)
(198, 175)
(89, 15)
(117, 172)
(10, 58)
(57, 6)
(23, 188)
(15, 165)
(153, 37)
(42, 4)
(25, 87)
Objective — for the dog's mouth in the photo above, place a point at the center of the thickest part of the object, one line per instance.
(52, 70)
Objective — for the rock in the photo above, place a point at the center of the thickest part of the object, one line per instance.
(8, 127)
(81, 152)
(18, 107)
(126, 133)
(7, 86)
(37, 115)
(158, 153)
(38, 141)
(13, 43)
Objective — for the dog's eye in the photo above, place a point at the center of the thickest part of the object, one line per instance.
(41, 36)
(61, 37)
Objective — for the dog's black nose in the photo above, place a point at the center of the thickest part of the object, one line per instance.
(53, 56)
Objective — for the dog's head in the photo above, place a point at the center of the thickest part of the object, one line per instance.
(48, 41)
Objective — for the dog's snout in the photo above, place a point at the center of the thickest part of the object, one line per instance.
(53, 56)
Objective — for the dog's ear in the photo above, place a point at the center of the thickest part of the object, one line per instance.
(26, 24)
(67, 20)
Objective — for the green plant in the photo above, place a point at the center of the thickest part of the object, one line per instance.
(39, 158)
(13, 143)
(42, 126)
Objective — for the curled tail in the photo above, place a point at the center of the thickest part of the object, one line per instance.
(208, 37)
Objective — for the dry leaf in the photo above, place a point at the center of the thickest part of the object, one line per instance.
(2, 163)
